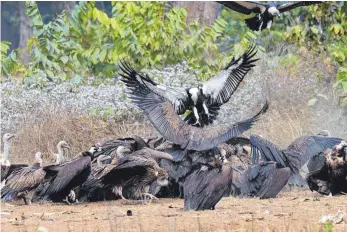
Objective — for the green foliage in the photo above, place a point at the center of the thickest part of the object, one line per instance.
(328, 227)
(10, 64)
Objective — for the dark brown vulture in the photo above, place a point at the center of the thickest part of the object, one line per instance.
(328, 171)
(6, 167)
(296, 154)
(109, 148)
(23, 182)
(63, 178)
(164, 117)
(265, 12)
(204, 101)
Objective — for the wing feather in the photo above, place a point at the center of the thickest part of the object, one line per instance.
(220, 89)
(244, 7)
(287, 6)
(135, 81)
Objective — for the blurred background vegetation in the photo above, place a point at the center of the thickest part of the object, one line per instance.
(67, 41)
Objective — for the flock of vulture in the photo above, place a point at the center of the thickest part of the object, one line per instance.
(192, 159)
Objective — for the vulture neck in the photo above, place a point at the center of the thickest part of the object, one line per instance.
(61, 155)
(6, 150)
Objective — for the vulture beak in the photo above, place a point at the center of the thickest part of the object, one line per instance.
(13, 136)
(67, 146)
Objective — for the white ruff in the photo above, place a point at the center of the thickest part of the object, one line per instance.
(273, 10)
(194, 92)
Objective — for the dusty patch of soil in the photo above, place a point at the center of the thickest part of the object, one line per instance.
(294, 211)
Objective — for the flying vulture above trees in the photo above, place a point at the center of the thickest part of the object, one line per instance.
(203, 101)
(163, 116)
(295, 156)
(265, 12)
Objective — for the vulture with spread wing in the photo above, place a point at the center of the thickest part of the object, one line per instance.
(63, 178)
(164, 117)
(203, 101)
(296, 154)
(265, 12)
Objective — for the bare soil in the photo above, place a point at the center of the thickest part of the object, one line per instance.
(290, 211)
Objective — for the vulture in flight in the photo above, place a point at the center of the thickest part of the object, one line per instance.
(265, 12)
(296, 154)
(328, 171)
(165, 119)
(203, 101)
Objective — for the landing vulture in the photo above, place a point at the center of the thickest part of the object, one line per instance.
(203, 101)
(265, 12)
(296, 154)
(163, 116)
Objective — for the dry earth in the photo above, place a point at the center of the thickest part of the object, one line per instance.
(294, 211)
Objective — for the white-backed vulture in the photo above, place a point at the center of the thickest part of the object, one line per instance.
(203, 101)
(164, 118)
(6, 167)
(265, 12)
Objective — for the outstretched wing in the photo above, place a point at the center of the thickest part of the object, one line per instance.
(309, 146)
(134, 81)
(267, 150)
(286, 6)
(171, 127)
(219, 89)
(244, 7)
(66, 174)
(264, 180)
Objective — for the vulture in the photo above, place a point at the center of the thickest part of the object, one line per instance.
(64, 177)
(6, 167)
(265, 12)
(296, 154)
(328, 171)
(109, 148)
(164, 117)
(263, 180)
(62, 154)
(203, 101)
(134, 173)
(23, 182)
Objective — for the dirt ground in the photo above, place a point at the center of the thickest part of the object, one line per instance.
(290, 211)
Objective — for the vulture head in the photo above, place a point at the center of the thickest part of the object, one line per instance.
(273, 9)
(62, 144)
(38, 158)
(122, 151)
(91, 151)
(162, 177)
(103, 159)
(194, 94)
(7, 137)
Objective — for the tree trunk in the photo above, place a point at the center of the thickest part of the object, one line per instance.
(25, 31)
(58, 7)
(205, 12)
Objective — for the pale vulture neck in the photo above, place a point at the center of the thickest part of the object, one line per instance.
(61, 155)
(6, 150)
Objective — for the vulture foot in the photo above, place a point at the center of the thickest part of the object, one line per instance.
(150, 196)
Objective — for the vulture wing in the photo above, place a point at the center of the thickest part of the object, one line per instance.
(171, 127)
(135, 81)
(7, 170)
(267, 150)
(219, 89)
(287, 6)
(67, 172)
(24, 179)
(264, 180)
(305, 147)
(244, 7)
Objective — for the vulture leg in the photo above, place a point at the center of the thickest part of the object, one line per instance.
(196, 116)
(151, 197)
(206, 110)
